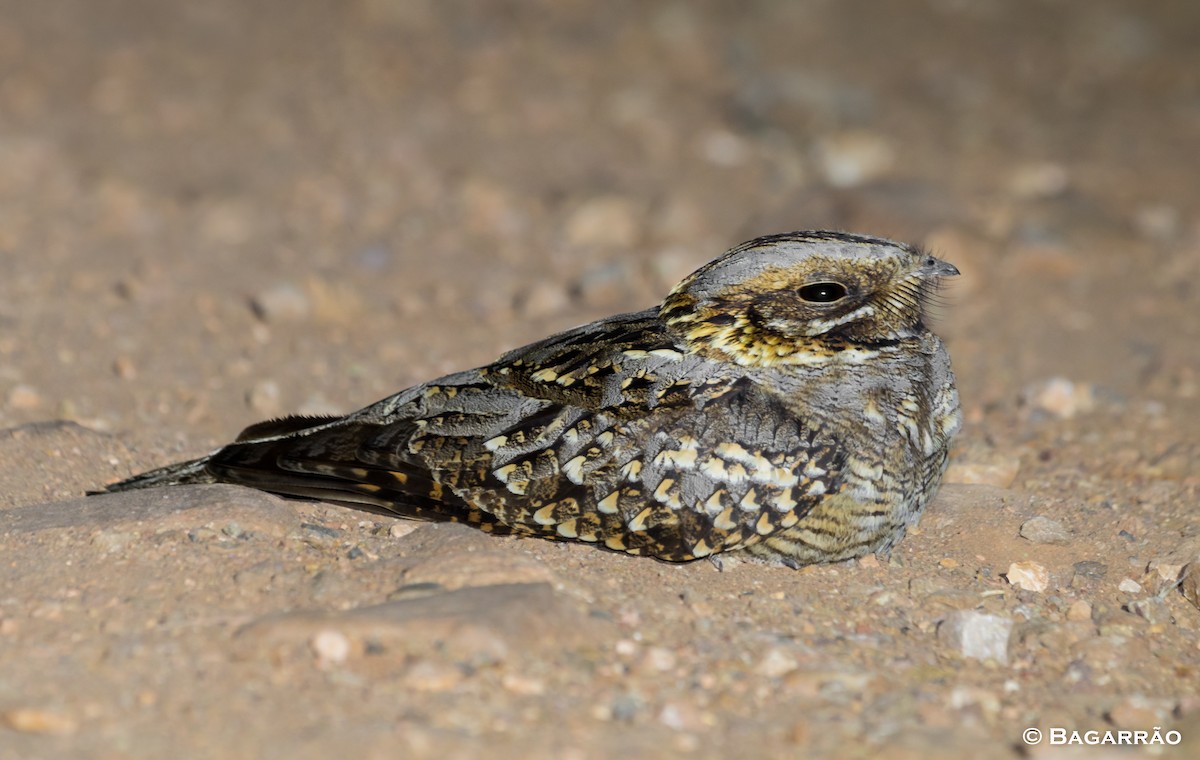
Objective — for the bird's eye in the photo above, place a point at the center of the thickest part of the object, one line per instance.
(823, 292)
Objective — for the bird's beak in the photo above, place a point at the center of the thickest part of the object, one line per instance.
(938, 268)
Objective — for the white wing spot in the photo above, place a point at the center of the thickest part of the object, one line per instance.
(685, 458)
(669, 354)
(783, 501)
(763, 526)
(638, 523)
(493, 444)
(749, 502)
(712, 505)
(632, 470)
(736, 473)
(733, 452)
(724, 521)
(664, 495)
(608, 505)
(573, 469)
(714, 468)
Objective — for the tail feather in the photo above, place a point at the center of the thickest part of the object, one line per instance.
(198, 471)
(316, 458)
(178, 474)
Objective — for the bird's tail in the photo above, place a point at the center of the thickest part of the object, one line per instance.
(178, 474)
(197, 471)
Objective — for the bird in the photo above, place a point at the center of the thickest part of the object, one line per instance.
(786, 401)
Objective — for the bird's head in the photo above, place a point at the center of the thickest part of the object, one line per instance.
(804, 298)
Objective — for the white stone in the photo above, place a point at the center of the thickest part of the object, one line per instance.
(331, 646)
(977, 635)
(1028, 575)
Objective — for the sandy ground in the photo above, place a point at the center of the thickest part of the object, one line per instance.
(212, 213)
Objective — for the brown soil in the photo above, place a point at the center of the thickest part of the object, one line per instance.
(212, 213)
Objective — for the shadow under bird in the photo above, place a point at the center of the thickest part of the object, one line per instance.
(786, 401)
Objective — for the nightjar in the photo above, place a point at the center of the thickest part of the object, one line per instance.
(786, 400)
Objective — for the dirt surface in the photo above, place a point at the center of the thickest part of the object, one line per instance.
(213, 213)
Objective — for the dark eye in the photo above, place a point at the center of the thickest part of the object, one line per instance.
(823, 292)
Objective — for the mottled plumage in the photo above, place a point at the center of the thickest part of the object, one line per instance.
(785, 399)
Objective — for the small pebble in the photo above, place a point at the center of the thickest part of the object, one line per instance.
(776, 662)
(659, 658)
(723, 148)
(228, 223)
(966, 697)
(1043, 530)
(1168, 571)
(1130, 586)
(201, 533)
(283, 302)
(34, 721)
(331, 646)
(1079, 611)
(854, 157)
(258, 576)
(403, 528)
(1000, 473)
(265, 398)
(1028, 575)
(1151, 609)
(1038, 180)
(518, 683)
(1088, 571)
(627, 706)
(433, 676)
(113, 541)
(1190, 585)
(869, 561)
(684, 716)
(333, 302)
(977, 635)
(1139, 712)
(320, 530)
(1157, 221)
(1060, 397)
(124, 368)
(24, 397)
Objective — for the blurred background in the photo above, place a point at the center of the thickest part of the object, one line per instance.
(216, 212)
